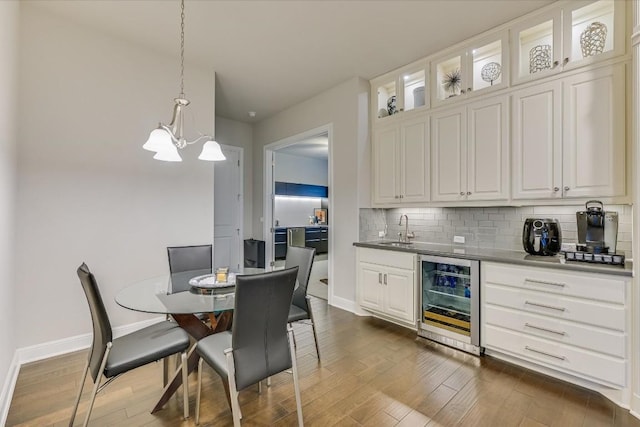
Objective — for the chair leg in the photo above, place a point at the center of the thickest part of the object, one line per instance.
(235, 405)
(294, 337)
(75, 408)
(199, 391)
(97, 384)
(296, 386)
(259, 387)
(185, 384)
(313, 326)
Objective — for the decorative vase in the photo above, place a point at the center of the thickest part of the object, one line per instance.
(593, 38)
(490, 72)
(539, 58)
(418, 97)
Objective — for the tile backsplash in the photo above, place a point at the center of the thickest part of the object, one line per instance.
(495, 227)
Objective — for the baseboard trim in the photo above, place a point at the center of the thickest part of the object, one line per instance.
(50, 349)
(79, 342)
(343, 303)
(7, 389)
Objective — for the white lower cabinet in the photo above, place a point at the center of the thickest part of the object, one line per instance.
(570, 322)
(387, 285)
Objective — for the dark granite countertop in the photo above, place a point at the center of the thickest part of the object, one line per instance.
(499, 255)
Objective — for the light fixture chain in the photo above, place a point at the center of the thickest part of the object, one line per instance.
(182, 50)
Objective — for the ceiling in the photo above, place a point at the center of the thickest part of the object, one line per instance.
(271, 55)
(316, 147)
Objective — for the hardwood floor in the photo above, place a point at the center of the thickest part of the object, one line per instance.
(372, 374)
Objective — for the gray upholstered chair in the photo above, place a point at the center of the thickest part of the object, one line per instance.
(111, 357)
(260, 343)
(301, 305)
(186, 258)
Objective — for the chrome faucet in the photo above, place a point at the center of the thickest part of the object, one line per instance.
(407, 235)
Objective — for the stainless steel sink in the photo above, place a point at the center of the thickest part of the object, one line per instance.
(397, 244)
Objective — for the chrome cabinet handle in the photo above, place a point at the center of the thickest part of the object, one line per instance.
(380, 278)
(385, 278)
(542, 282)
(556, 189)
(566, 60)
(566, 188)
(545, 306)
(463, 91)
(462, 193)
(555, 64)
(529, 325)
(468, 193)
(526, 347)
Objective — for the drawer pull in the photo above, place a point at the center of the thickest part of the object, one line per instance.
(545, 306)
(526, 347)
(380, 278)
(542, 282)
(529, 325)
(385, 279)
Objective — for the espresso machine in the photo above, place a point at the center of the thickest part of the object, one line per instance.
(597, 229)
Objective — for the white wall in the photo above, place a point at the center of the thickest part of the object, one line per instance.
(301, 170)
(9, 17)
(337, 106)
(230, 132)
(86, 189)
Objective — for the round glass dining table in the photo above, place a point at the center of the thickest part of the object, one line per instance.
(173, 294)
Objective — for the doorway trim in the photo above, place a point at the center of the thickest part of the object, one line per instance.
(269, 196)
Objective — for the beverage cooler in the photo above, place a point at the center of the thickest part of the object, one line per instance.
(450, 302)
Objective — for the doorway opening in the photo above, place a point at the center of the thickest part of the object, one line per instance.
(298, 203)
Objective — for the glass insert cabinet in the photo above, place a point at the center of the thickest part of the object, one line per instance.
(475, 69)
(579, 34)
(400, 91)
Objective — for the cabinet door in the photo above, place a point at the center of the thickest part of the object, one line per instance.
(399, 294)
(488, 149)
(537, 143)
(594, 134)
(536, 42)
(414, 165)
(449, 155)
(386, 162)
(370, 284)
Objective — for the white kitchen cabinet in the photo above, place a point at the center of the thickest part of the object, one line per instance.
(401, 162)
(470, 152)
(402, 90)
(480, 67)
(387, 285)
(578, 34)
(581, 155)
(575, 323)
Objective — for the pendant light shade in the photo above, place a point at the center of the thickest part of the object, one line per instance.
(168, 154)
(159, 140)
(211, 151)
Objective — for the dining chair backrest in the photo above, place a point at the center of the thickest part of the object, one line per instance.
(186, 258)
(102, 332)
(303, 258)
(259, 332)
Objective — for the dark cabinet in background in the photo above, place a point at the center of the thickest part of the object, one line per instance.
(314, 237)
(280, 240)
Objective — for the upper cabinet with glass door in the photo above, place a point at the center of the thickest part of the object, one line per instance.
(399, 91)
(578, 34)
(479, 67)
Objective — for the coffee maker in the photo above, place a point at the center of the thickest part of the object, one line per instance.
(597, 229)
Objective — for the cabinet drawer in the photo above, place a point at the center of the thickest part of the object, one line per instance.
(561, 307)
(577, 284)
(390, 258)
(588, 337)
(596, 367)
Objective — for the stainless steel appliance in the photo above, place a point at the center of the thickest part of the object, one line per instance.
(295, 236)
(597, 229)
(541, 236)
(450, 302)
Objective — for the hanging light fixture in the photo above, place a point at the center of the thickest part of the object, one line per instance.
(165, 140)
